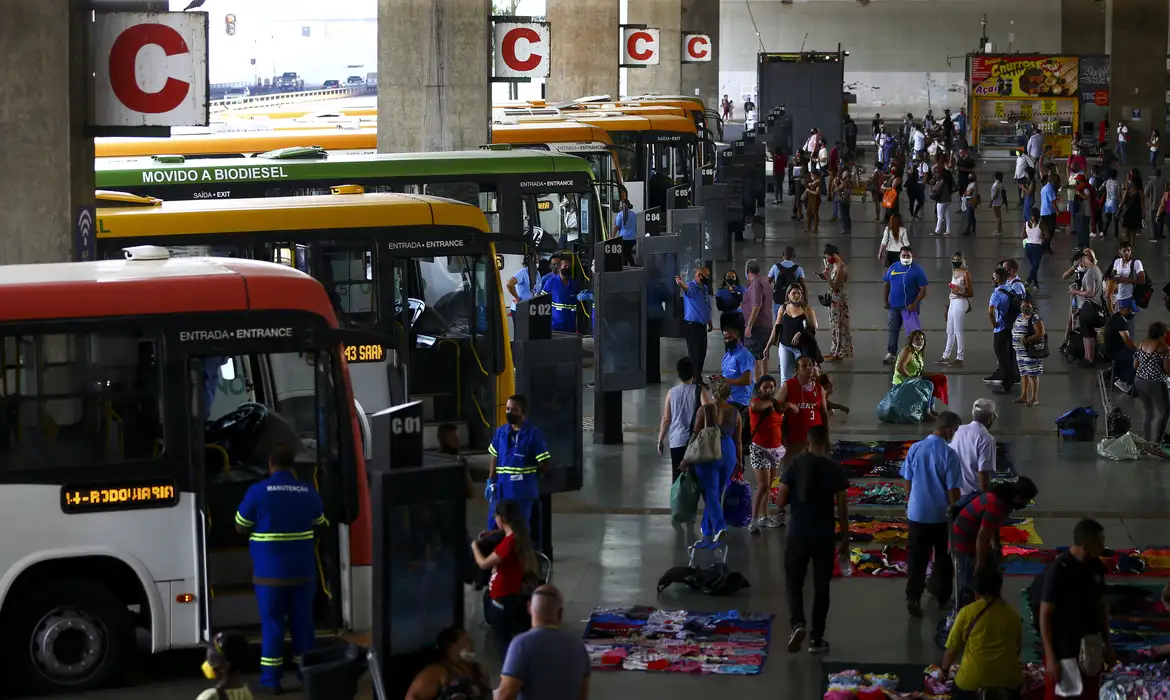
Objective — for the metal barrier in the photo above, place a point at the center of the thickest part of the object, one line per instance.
(278, 99)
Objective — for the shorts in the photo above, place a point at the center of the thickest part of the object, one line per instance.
(758, 340)
(766, 457)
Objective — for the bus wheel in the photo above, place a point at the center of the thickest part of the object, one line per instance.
(69, 637)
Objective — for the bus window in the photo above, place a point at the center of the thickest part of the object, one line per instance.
(79, 399)
(348, 275)
(627, 151)
(489, 205)
(560, 216)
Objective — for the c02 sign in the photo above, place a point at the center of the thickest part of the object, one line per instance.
(365, 353)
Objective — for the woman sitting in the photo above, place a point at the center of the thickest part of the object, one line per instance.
(987, 635)
(511, 562)
(455, 674)
(911, 399)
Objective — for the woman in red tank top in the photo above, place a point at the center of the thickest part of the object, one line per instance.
(806, 407)
(767, 450)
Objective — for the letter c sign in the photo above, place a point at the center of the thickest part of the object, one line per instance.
(640, 46)
(696, 48)
(522, 49)
(150, 69)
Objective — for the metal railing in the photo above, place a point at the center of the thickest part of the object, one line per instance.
(277, 99)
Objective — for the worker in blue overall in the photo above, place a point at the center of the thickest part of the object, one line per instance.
(519, 453)
(281, 514)
(563, 290)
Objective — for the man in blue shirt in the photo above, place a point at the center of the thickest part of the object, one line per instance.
(626, 227)
(1048, 210)
(696, 316)
(281, 514)
(738, 367)
(563, 290)
(999, 313)
(520, 286)
(519, 455)
(906, 284)
(934, 474)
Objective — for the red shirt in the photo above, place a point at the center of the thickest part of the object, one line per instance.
(508, 576)
(779, 163)
(983, 509)
(808, 403)
(767, 428)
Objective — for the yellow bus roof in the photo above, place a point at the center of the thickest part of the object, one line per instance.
(631, 109)
(549, 132)
(311, 213)
(237, 143)
(649, 122)
(261, 113)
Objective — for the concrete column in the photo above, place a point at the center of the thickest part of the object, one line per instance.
(46, 164)
(1139, 71)
(585, 45)
(433, 74)
(666, 77)
(1082, 27)
(702, 17)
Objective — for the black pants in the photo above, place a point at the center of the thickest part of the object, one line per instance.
(508, 617)
(676, 458)
(628, 247)
(1008, 372)
(917, 199)
(927, 539)
(696, 337)
(798, 552)
(778, 186)
(960, 694)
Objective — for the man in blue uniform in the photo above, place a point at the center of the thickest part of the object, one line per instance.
(520, 286)
(563, 290)
(696, 316)
(554, 269)
(519, 453)
(281, 514)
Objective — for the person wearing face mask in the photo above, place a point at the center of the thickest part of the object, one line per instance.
(737, 368)
(455, 674)
(905, 288)
(795, 322)
(729, 301)
(696, 316)
(563, 289)
(519, 455)
(1026, 332)
(961, 291)
(226, 657)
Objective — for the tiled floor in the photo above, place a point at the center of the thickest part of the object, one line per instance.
(614, 538)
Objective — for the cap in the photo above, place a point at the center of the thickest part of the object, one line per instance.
(831, 249)
(985, 407)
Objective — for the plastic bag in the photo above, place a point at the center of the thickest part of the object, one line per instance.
(1125, 448)
(684, 498)
(906, 402)
(737, 503)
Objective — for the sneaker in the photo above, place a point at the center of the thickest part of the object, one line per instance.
(956, 362)
(818, 646)
(1122, 386)
(889, 358)
(914, 607)
(755, 525)
(992, 380)
(795, 639)
(942, 361)
(774, 521)
(720, 536)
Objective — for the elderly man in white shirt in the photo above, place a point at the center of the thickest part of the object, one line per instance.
(976, 448)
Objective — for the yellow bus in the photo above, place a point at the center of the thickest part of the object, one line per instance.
(388, 262)
(237, 145)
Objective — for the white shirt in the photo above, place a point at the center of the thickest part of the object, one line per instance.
(976, 450)
(894, 245)
(1036, 145)
(1130, 270)
(997, 193)
(1122, 133)
(1021, 166)
(919, 140)
(1032, 233)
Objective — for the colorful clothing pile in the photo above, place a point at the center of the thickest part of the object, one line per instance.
(855, 685)
(1143, 681)
(678, 641)
(882, 493)
(1030, 561)
(1137, 621)
(883, 459)
(895, 530)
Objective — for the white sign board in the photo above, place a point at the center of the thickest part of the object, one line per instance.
(150, 69)
(522, 49)
(696, 48)
(639, 46)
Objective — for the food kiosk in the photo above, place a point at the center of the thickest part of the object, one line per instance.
(1008, 93)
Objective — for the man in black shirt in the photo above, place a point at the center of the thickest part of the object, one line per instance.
(966, 166)
(1119, 348)
(1072, 606)
(811, 485)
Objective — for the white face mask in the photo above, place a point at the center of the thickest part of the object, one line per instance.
(907, 260)
(918, 345)
(467, 655)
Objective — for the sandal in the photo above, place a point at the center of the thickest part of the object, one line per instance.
(1034, 403)
(1020, 400)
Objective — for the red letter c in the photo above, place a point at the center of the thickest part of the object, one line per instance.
(123, 78)
(697, 47)
(513, 37)
(632, 46)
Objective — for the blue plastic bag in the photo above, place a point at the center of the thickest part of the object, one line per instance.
(737, 503)
(684, 498)
(907, 402)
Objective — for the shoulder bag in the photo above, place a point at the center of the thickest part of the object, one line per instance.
(705, 445)
(1037, 350)
(986, 693)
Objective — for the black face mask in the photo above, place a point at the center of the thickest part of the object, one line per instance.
(957, 265)
(514, 418)
(704, 280)
(729, 345)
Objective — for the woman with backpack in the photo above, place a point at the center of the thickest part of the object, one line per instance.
(986, 634)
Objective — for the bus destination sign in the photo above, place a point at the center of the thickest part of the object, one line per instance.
(366, 352)
(137, 495)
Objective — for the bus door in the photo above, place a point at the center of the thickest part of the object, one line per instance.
(673, 163)
(632, 168)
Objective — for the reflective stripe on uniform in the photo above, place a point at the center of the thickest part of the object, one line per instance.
(492, 451)
(281, 536)
(543, 456)
(242, 521)
(564, 307)
(516, 470)
(321, 521)
(270, 661)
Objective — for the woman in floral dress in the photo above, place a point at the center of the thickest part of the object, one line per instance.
(837, 275)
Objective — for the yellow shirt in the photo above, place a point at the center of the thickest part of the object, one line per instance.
(991, 652)
(242, 693)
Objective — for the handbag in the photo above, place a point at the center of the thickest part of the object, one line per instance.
(1091, 657)
(1039, 349)
(890, 198)
(705, 445)
(826, 299)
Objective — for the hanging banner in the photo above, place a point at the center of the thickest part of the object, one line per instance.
(696, 48)
(521, 49)
(1094, 76)
(639, 46)
(1024, 76)
(1026, 112)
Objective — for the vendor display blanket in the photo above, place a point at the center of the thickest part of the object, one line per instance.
(904, 682)
(1016, 560)
(1138, 622)
(882, 494)
(883, 459)
(896, 530)
(678, 641)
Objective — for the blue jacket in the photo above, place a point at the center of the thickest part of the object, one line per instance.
(281, 512)
(518, 456)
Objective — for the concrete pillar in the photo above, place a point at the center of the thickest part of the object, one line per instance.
(434, 63)
(585, 45)
(46, 164)
(666, 77)
(1082, 27)
(1139, 71)
(702, 17)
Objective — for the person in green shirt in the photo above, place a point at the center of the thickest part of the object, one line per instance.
(986, 633)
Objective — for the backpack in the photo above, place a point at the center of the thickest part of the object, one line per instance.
(1142, 293)
(1078, 424)
(785, 278)
(1015, 301)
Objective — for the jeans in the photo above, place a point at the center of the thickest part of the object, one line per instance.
(1157, 223)
(798, 552)
(914, 192)
(1034, 251)
(788, 358)
(1008, 373)
(955, 313)
(942, 210)
(963, 592)
(970, 221)
(927, 539)
(1123, 365)
(1153, 159)
(507, 617)
(1156, 405)
(836, 209)
(696, 337)
(894, 324)
(846, 217)
(1121, 151)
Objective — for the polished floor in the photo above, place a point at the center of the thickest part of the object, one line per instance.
(614, 538)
